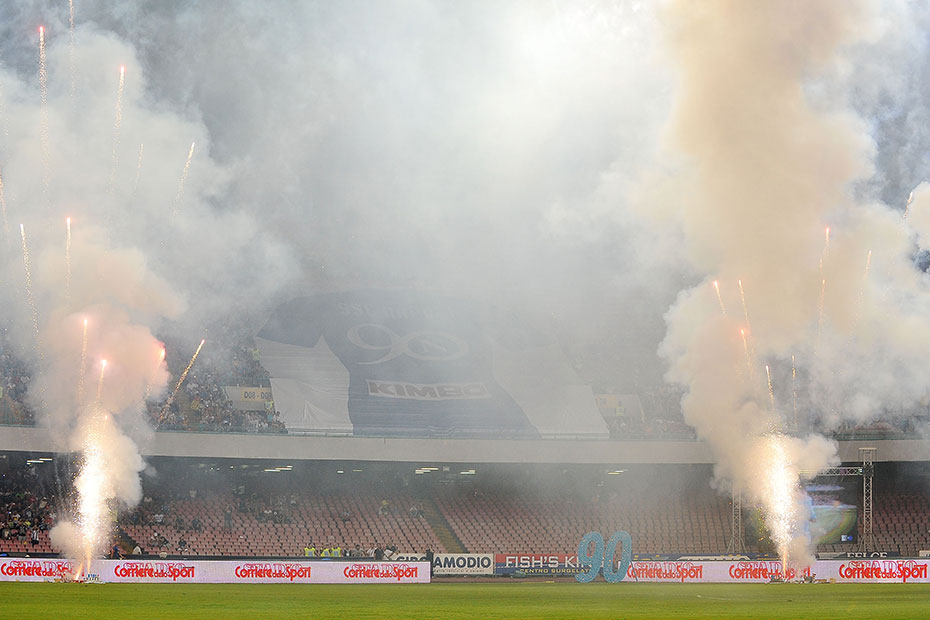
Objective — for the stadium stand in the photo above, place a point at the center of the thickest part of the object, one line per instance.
(692, 524)
(26, 513)
(667, 511)
(279, 527)
(232, 360)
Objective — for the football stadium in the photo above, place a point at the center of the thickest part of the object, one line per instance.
(587, 309)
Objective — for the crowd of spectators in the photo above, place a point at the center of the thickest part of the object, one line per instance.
(23, 511)
(245, 366)
(372, 551)
(157, 511)
(229, 359)
(14, 384)
(204, 406)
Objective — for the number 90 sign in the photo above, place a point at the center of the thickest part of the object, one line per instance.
(603, 559)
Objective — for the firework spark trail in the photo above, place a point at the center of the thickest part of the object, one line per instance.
(184, 173)
(71, 48)
(820, 304)
(768, 378)
(68, 260)
(780, 482)
(794, 391)
(135, 183)
(43, 116)
(3, 128)
(752, 374)
(148, 386)
(825, 253)
(723, 308)
(91, 497)
(865, 280)
(29, 295)
(83, 372)
(910, 197)
(742, 298)
(103, 367)
(117, 124)
(181, 379)
(747, 338)
(6, 227)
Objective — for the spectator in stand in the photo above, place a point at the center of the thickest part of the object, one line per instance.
(429, 558)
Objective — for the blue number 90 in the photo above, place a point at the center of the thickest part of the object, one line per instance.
(592, 562)
(604, 558)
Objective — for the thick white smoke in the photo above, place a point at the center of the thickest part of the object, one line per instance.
(100, 278)
(766, 163)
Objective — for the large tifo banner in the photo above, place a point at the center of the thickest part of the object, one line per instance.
(177, 571)
(749, 571)
(404, 363)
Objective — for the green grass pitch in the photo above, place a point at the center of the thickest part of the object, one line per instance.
(474, 601)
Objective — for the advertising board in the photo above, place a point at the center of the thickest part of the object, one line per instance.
(543, 564)
(239, 571)
(456, 564)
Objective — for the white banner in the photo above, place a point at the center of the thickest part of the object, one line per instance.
(26, 569)
(179, 571)
(248, 398)
(248, 394)
(763, 571)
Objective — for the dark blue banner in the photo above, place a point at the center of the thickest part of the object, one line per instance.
(418, 364)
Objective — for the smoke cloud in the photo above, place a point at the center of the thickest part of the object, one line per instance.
(817, 322)
(100, 243)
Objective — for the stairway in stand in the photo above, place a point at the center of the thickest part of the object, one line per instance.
(125, 541)
(442, 529)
